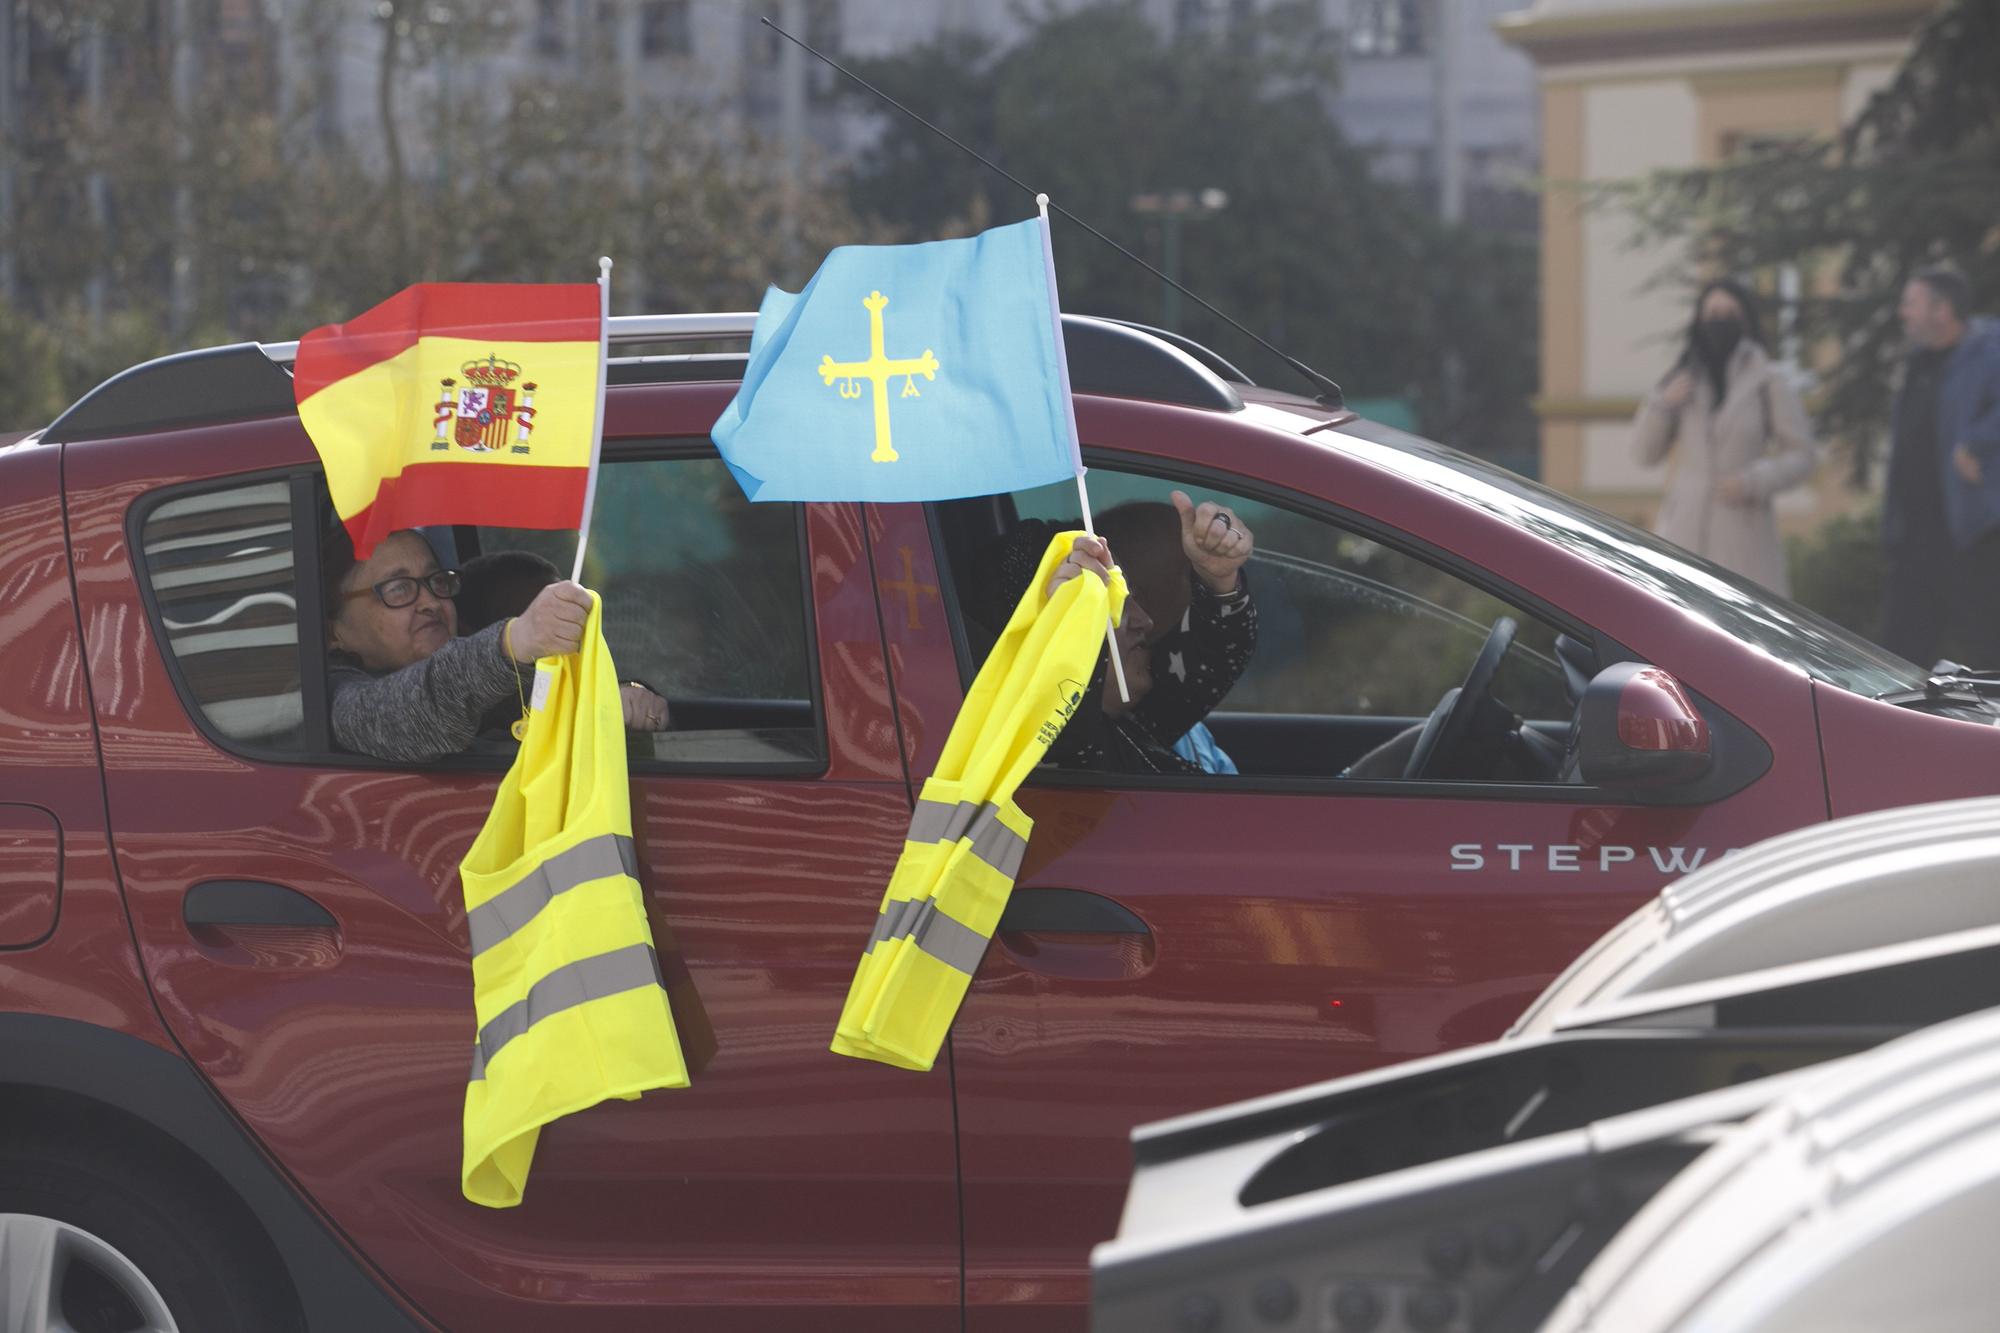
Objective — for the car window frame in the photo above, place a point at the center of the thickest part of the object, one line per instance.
(1606, 650)
(309, 501)
(686, 448)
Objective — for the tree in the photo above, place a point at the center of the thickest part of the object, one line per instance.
(291, 228)
(1349, 275)
(1914, 179)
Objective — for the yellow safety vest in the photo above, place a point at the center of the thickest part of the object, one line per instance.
(967, 836)
(565, 982)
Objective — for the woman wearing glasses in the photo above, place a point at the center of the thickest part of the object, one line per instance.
(403, 685)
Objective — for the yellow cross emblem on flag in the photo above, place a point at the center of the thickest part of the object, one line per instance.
(879, 368)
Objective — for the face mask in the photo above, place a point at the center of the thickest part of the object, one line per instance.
(1720, 336)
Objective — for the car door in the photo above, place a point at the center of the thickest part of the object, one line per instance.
(299, 919)
(1177, 942)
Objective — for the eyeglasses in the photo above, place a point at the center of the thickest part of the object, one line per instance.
(401, 591)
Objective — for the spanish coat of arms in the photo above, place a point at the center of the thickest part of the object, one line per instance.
(492, 410)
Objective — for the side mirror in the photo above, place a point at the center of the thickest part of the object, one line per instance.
(1638, 728)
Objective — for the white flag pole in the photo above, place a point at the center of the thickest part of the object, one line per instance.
(1069, 415)
(597, 422)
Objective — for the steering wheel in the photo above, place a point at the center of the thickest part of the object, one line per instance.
(1451, 721)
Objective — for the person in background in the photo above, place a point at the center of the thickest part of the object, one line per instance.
(1739, 436)
(401, 684)
(1941, 511)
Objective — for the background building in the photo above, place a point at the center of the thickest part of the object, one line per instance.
(1417, 72)
(1426, 85)
(183, 170)
(1633, 86)
(1447, 106)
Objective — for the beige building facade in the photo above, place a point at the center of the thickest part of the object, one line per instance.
(1633, 86)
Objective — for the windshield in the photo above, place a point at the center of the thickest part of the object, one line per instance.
(1759, 617)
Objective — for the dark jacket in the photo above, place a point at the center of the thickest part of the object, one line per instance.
(1195, 664)
(1968, 414)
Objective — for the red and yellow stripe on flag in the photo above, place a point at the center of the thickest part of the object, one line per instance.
(456, 402)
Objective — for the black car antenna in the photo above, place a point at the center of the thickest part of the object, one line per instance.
(1328, 394)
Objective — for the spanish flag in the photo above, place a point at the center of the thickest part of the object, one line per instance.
(457, 402)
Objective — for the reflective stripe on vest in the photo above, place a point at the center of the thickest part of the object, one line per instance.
(992, 841)
(951, 942)
(568, 986)
(508, 911)
(967, 839)
(568, 1004)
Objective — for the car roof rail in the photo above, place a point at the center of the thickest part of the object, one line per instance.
(1116, 357)
(1119, 358)
(214, 384)
(1208, 356)
(628, 332)
(1122, 360)
(1113, 358)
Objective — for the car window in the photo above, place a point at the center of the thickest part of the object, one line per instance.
(1736, 605)
(705, 601)
(1357, 641)
(1356, 628)
(219, 565)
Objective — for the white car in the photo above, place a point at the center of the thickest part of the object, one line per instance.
(1470, 1192)
(1865, 1199)
(1811, 896)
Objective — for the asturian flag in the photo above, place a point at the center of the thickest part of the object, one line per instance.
(908, 372)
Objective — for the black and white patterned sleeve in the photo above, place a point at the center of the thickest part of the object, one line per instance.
(1194, 668)
(427, 709)
(1197, 665)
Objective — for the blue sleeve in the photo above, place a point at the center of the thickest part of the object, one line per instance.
(1982, 432)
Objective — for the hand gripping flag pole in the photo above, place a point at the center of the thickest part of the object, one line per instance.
(1069, 416)
(597, 427)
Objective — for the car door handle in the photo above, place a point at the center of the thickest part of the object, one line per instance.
(249, 902)
(1067, 912)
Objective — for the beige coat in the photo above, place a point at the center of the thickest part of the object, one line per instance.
(1760, 433)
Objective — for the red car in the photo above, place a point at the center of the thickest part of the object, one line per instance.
(237, 1006)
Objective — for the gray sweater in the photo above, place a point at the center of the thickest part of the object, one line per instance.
(427, 709)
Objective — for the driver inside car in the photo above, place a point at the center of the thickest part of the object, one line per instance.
(1188, 631)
